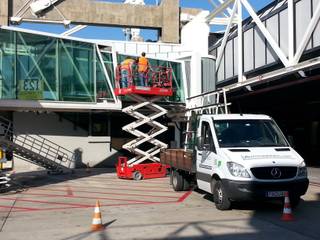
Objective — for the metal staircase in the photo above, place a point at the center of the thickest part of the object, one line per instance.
(145, 103)
(36, 149)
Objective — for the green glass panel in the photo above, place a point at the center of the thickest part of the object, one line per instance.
(7, 65)
(36, 67)
(103, 89)
(76, 71)
(108, 62)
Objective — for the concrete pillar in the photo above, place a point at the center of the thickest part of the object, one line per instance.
(4, 12)
(170, 21)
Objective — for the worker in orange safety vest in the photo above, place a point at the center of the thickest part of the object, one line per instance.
(143, 66)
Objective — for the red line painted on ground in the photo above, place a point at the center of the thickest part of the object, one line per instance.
(17, 209)
(184, 196)
(136, 190)
(12, 210)
(131, 182)
(82, 197)
(104, 193)
(46, 202)
(102, 205)
(22, 208)
(120, 185)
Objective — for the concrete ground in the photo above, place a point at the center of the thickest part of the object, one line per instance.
(61, 207)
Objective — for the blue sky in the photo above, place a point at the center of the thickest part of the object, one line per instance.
(117, 33)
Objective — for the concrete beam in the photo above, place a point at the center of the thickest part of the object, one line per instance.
(191, 11)
(170, 21)
(164, 17)
(4, 12)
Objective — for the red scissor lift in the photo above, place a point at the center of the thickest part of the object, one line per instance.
(155, 84)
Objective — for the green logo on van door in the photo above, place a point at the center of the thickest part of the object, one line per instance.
(219, 163)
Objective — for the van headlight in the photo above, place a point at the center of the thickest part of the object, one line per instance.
(237, 170)
(302, 172)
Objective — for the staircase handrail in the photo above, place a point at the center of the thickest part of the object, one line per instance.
(54, 151)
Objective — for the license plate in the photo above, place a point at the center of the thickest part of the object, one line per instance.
(275, 194)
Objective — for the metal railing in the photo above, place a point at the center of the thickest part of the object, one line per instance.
(49, 152)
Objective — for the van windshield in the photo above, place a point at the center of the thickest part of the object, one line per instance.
(249, 133)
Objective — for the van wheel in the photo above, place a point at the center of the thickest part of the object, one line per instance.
(220, 197)
(186, 183)
(177, 180)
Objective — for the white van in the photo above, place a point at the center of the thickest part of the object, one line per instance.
(239, 157)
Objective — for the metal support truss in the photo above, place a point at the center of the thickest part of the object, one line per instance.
(141, 111)
(235, 10)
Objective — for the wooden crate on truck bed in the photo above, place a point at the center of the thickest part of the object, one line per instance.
(178, 158)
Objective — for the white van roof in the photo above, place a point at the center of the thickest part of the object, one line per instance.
(240, 116)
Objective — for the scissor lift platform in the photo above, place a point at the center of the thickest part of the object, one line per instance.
(141, 90)
(157, 83)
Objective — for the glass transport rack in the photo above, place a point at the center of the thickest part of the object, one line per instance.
(144, 90)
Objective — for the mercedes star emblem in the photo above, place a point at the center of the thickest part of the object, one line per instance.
(276, 173)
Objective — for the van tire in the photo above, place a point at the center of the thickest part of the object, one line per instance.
(177, 180)
(186, 183)
(220, 197)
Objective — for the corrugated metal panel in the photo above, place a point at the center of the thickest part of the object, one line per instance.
(303, 17)
(162, 55)
(221, 69)
(188, 76)
(272, 26)
(248, 50)
(154, 48)
(176, 48)
(131, 48)
(142, 48)
(316, 34)
(208, 74)
(284, 31)
(119, 47)
(235, 53)
(165, 48)
(229, 60)
(260, 51)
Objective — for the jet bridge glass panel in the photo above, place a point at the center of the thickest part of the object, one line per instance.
(39, 67)
(7, 65)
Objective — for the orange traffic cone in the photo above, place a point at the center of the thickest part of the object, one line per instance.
(287, 213)
(97, 221)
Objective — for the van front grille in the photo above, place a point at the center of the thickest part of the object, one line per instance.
(274, 172)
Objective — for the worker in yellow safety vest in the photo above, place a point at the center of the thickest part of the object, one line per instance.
(143, 66)
(126, 71)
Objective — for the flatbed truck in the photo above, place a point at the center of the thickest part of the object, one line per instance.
(238, 157)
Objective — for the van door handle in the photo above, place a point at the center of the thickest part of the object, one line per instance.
(200, 154)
